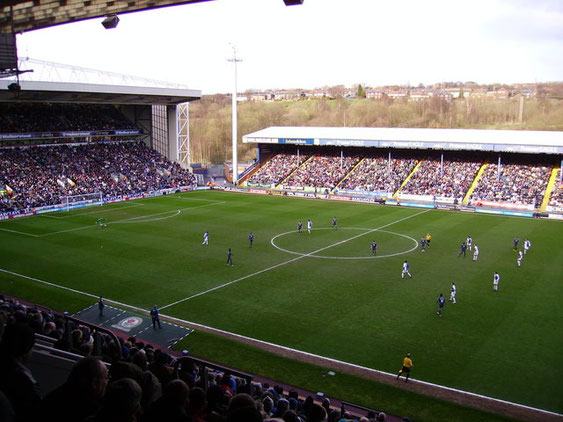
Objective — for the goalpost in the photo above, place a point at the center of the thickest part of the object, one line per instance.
(84, 200)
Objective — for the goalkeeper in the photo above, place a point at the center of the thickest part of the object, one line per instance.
(101, 222)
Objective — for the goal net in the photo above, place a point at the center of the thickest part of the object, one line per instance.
(84, 200)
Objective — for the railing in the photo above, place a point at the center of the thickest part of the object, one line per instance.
(209, 365)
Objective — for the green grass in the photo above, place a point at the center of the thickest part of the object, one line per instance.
(360, 311)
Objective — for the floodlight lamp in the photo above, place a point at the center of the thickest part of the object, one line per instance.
(110, 21)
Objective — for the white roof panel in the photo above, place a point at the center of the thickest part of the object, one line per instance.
(455, 139)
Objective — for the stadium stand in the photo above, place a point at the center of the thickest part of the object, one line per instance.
(379, 174)
(42, 176)
(135, 381)
(518, 183)
(322, 171)
(278, 168)
(556, 198)
(450, 178)
(32, 117)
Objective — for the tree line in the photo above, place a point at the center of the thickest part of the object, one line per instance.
(210, 118)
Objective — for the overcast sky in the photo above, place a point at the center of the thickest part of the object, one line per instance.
(320, 43)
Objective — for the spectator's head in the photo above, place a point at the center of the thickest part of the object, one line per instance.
(18, 341)
(140, 359)
(122, 401)
(317, 414)
(293, 403)
(382, 417)
(197, 398)
(282, 407)
(244, 414)
(176, 393)
(89, 376)
(268, 405)
(290, 416)
(241, 400)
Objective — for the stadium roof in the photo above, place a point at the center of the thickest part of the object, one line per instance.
(523, 141)
(34, 14)
(65, 92)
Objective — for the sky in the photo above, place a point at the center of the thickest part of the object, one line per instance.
(317, 44)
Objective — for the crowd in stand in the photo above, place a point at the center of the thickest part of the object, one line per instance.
(140, 385)
(450, 178)
(45, 117)
(40, 176)
(521, 183)
(379, 174)
(556, 198)
(278, 168)
(322, 171)
(516, 183)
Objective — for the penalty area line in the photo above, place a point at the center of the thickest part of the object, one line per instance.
(273, 267)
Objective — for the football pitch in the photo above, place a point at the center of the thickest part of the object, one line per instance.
(324, 293)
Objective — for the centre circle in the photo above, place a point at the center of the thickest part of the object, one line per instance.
(367, 231)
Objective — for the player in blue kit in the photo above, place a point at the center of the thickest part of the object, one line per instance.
(423, 244)
(462, 250)
(334, 223)
(441, 301)
(373, 247)
(516, 240)
(251, 238)
(300, 227)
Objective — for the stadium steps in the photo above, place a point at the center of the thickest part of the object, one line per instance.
(407, 179)
(549, 189)
(348, 175)
(474, 184)
(291, 174)
(253, 169)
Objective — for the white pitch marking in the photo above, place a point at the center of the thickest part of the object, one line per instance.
(287, 262)
(18, 232)
(72, 290)
(148, 218)
(200, 199)
(144, 311)
(347, 257)
(92, 212)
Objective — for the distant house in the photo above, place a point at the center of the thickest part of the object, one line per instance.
(286, 95)
(372, 93)
(478, 93)
(418, 96)
(397, 95)
(498, 93)
(318, 93)
(456, 92)
(443, 94)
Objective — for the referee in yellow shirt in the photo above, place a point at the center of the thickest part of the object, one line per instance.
(406, 369)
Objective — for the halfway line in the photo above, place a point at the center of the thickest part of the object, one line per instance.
(289, 261)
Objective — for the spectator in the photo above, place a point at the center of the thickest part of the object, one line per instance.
(80, 396)
(122, 402)
(17, 382)
(172, 406)
(197, 405)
